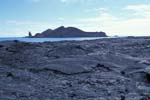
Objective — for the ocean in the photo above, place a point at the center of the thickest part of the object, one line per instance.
(50, 39)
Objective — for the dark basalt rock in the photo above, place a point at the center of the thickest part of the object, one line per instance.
(1, 46)
(106, 69)
(145, 98)
(141, 75)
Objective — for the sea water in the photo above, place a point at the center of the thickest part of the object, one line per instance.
(51, 39)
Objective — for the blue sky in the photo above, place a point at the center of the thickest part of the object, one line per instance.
(115, 17)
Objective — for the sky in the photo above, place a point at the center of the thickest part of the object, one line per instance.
(115, 17)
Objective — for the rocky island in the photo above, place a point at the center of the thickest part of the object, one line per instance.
(67, 32)
(105, 69)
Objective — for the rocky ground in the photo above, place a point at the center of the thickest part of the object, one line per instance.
(106, 69)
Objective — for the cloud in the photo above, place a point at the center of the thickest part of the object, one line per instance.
(63, 1)
(138, 7)
(114, 25)
(100, 10)
(80, 1)
(139, 10)
(103, 17)
(61, 19)
(21, 27)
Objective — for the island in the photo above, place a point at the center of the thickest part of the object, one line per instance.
(64, 32)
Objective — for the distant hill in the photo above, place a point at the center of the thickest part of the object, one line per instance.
(67, 32)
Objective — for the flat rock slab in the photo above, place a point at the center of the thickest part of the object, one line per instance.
(70, 65)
